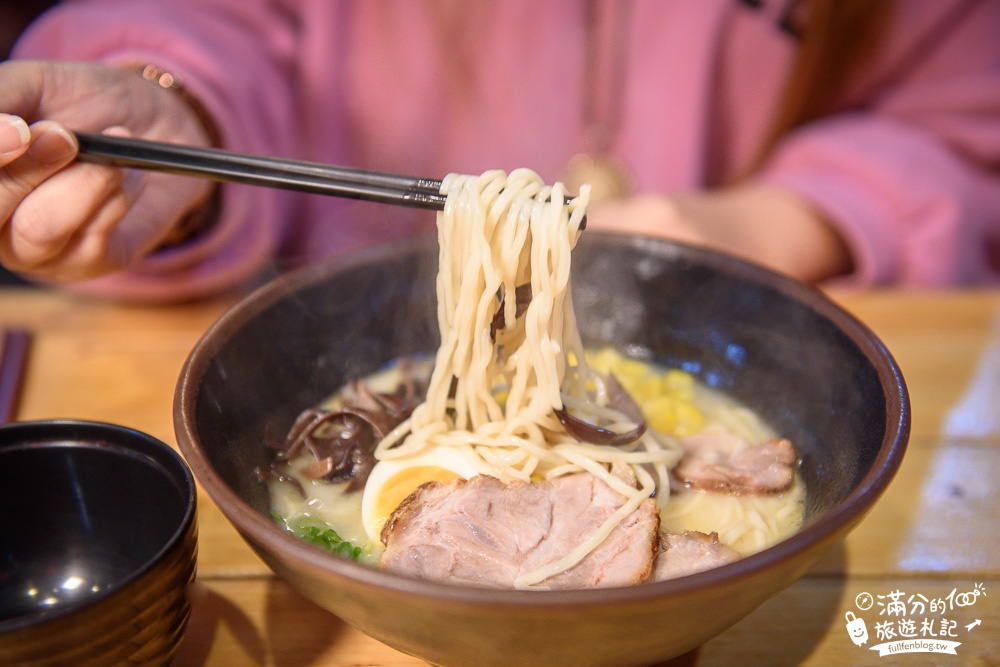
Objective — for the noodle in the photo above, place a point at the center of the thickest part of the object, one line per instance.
(496, 233)
(511, 376)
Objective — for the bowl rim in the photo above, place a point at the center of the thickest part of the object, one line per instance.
(117, 439)
(259, 529)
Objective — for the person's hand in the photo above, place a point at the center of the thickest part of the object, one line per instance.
(62, 220)
(769, 226)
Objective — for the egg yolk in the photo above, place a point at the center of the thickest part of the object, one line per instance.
(398, 487)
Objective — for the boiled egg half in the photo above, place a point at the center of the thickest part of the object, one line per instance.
(391, 481)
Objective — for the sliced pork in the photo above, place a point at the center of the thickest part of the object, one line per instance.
(483, 532)
(690, 552)
(721, 461)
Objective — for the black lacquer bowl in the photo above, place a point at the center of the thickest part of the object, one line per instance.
(814, 372)
(98, 545)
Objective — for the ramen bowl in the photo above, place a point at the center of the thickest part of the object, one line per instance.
(810, 369)
(98, 545)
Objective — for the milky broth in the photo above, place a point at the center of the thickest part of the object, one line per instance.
(675, 404)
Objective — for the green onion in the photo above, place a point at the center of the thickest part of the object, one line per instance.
(325, 537)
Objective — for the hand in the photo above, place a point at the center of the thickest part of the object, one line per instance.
(769, 226)
(62, 220)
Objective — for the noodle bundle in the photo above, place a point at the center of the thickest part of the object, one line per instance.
(516, 407)
(501, 375)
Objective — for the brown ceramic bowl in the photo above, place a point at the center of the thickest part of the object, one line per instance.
(97, 547)
(813, 371)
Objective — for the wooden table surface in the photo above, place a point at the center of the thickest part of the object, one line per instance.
(921, 555)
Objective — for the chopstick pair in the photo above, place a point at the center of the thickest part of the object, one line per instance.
(264, 171)
(271, 172)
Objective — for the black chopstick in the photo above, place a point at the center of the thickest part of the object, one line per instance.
(272, 172)
(14, 344)
(282, 173)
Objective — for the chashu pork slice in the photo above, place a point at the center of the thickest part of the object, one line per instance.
(689, 552)
(482, 532)
(724, 462)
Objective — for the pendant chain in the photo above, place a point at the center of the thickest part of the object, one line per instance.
(603, 98)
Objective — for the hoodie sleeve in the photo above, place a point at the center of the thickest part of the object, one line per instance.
(237, 58)
(912, 181)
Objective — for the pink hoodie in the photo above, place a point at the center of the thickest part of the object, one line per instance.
(908, 171)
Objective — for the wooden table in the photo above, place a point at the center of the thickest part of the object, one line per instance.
(937, 529)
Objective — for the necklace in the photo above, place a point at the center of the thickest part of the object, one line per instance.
(603, 94)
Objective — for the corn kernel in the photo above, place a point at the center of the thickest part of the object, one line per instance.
(689, 419)
(645, 388)
(661, 414)
(603, 360)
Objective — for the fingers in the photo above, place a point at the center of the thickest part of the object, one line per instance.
(66, 220)
(85, 252)
(25, 168)
(14, 137)
(53, 209)
(49, 148)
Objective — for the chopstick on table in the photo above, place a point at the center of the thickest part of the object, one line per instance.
(271, 172)
(14, 345)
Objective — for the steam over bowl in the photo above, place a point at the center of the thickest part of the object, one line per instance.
(811, 370)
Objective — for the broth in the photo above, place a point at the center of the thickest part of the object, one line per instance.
(675, 404)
